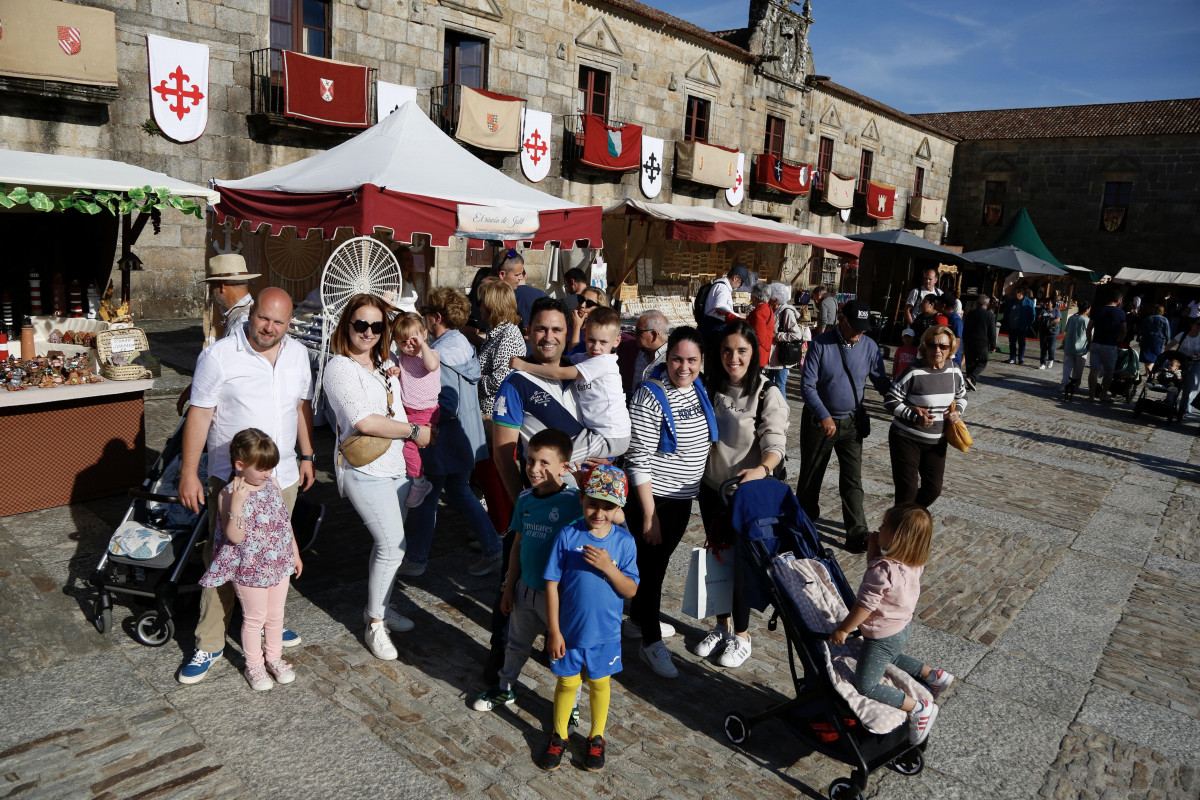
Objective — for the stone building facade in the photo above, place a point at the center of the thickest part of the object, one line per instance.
(655, 67)
(1108, 186)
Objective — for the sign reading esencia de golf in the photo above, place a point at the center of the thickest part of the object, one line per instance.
(497, 222)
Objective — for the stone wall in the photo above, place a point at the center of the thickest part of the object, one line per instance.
(1061, 182)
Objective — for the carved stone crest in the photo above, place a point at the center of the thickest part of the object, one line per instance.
(779, 36)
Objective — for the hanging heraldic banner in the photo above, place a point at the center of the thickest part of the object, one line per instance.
(926, 210)
(178, 86)
(535, 144)
(839, 191)
(499, 223)
(489, 120)
(881, 200)
(325, 91)
(771, 171)
(735, 193)
(652, 165)
(54, 41)
(617, 149)
(709, 164)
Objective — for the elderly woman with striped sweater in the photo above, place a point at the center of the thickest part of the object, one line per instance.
(919, 401)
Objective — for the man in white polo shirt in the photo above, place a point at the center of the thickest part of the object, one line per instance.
(256, 378)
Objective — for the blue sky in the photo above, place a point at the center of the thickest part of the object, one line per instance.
(942, 55)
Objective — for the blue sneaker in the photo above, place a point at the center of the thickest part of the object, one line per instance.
(290, 638)
(195, 670)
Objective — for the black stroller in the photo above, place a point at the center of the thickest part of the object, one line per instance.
(769, 522)
(155, 553)
(1161, 398)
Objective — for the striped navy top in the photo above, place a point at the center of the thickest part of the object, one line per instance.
(923, 387)
(675, 474)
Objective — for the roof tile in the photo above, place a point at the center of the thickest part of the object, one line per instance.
(1105, 119)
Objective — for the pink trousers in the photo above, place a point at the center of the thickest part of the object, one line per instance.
(412, 454)
(262, 609)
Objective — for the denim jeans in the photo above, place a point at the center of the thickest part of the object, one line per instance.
(779, 376)
(380, 503)
(874, 658)
(1191, 388)
(1016, 344)
(460, 496)
(1047, 343)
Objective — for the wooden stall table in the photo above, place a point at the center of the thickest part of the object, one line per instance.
(71, 443)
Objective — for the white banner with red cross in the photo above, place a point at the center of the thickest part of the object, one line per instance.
(535, 144)
(735, 193)
(178, 87)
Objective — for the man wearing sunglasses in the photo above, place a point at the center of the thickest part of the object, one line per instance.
(511, 270)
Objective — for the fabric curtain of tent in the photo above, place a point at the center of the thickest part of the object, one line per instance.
(1022, 233)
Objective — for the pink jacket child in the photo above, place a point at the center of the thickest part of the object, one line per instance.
(883, 612)
(420, 374)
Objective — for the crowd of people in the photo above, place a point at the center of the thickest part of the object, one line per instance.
(590, 449)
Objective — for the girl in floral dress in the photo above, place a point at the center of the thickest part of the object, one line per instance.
(256, 550)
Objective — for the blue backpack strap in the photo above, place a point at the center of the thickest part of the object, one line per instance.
(667, 438)
(706, 405)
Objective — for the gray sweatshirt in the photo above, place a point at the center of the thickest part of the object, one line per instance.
(739, 446)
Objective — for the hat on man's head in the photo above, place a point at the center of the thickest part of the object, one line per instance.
(607, 483)
(858, 314)
(740, 271)
(228, 267)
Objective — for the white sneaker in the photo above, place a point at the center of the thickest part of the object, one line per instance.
(1042, 366)
(408, 569)
(379, 643)
(715, 640)
(920, 722)
(417, 492)
(735, 653)
(939, 681)
(393, 620)
(1050, 365)
(631, 630)
(659, 658)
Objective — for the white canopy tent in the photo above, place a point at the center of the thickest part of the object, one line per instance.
(1135, 275)
(44, 172)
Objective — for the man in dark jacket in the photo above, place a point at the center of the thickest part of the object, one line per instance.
(979, 339)
(1018, 317)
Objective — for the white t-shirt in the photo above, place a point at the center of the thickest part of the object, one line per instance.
(355, 393)
(1194, 308)
(248, 392)
(1189, 346)
(601, 397)
(721, 296)
(917, 295)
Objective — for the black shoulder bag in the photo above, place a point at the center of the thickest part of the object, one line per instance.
(862, 420)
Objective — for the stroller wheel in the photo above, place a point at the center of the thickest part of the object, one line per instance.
(152, 630)
(844, 789)
(737, 729)
(909, 763)
(101, 617)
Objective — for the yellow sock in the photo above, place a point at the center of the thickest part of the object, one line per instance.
(601, 693)
(564, 701)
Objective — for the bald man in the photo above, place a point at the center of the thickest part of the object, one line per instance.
(256, 378)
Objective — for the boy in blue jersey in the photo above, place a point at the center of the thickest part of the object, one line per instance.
(592, 568)
(537, 517)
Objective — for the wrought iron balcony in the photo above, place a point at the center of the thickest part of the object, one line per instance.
(443, 106)
(268, 98)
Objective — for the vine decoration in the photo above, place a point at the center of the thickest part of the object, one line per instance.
(147, 199)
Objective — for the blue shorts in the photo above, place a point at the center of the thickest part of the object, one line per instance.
(601, 661)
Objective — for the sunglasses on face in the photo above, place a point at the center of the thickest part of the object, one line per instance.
(941, 346)
(589, 303)
(362, 326)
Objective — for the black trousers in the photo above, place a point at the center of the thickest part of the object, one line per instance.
(716, 523)
(652, 559)
(916, 462)
(976, 361)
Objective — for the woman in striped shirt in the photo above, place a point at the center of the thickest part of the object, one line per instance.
(919, 401)
(672, 429)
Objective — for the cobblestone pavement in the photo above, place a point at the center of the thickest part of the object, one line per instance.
(1064, 592)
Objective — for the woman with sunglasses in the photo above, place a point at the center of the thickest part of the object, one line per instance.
(919, 401)
(591, 298)
(366, 400)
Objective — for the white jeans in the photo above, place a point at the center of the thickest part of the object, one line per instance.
(1072, 368)
(380, 503)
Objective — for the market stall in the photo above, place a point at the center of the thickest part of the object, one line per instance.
(73, 370)
(659, 254)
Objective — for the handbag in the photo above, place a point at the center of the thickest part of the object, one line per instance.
(862, 420)
(957, 435)
(709, 588)
(788, 352)
(360, 449)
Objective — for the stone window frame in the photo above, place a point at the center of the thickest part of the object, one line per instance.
(989, 201)
(488, 40)
(823, 167)
(866, 162)
(597, 63)
(919, 182)
(772, 135)
(688, 127)
(299, 28)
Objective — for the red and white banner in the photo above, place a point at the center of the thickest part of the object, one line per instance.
(652, 166)
(535, 144)
(178, 86)
(325, 91)
(735, 193)
(611, 148)
(839, 191)
(772, 172)
(54, 41)
(881, 200)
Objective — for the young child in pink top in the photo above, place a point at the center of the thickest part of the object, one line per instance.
(420, 372)
(906, 353)
(883, 612)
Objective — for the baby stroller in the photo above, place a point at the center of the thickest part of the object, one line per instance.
(785, 566)
(154, 555)
(1127, 375)
(1158, 399)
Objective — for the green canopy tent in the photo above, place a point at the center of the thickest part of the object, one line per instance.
(1021, 233)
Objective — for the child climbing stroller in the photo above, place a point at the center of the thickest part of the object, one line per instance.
(1127, 376)
(785, 566)
(1161, 396)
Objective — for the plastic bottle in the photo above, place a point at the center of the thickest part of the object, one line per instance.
(28, 349)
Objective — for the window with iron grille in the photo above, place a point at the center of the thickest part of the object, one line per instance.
(774, 139)
(824, 160)
(593, 92)
(466, 60)
(919, 182)
(695, 127)
(864, 170)
(1115, 208)
(301, 26)
(993, 203)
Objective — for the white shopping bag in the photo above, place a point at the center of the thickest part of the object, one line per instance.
(709, 589)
